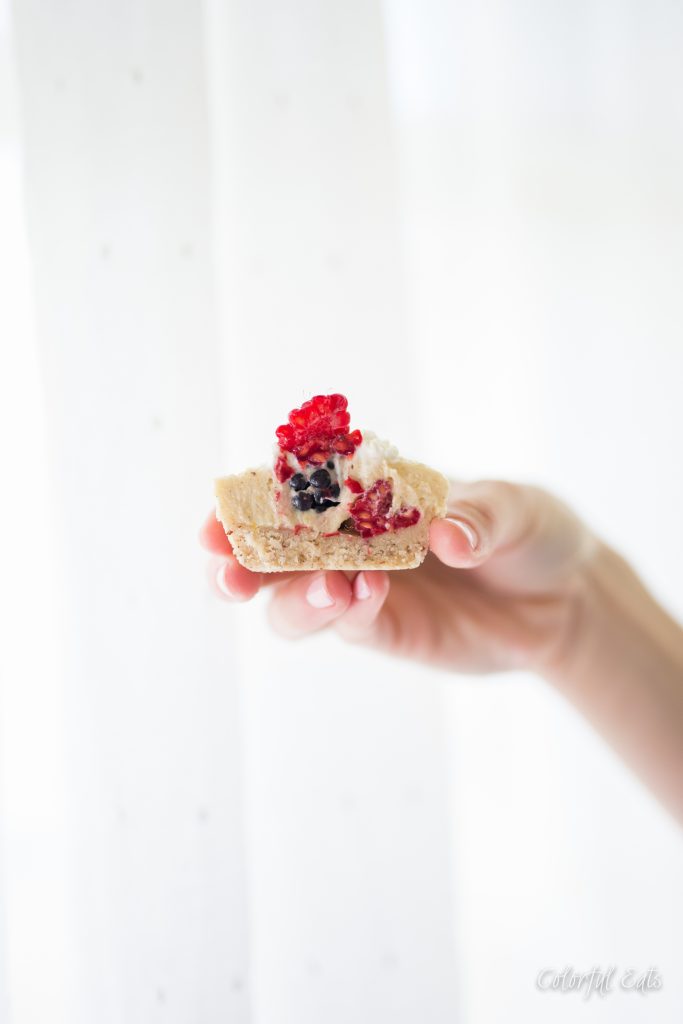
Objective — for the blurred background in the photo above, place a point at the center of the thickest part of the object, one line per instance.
(468, 217)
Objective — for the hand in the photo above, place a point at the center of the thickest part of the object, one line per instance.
(512, 580)
(499, 589)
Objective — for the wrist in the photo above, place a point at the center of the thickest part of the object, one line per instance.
(622, 666)
(586, 605)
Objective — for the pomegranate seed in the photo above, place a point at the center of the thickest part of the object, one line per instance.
(283, 470)
(353, 485)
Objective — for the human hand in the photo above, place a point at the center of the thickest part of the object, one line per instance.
(499, 588)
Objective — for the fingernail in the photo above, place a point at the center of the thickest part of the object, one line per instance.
(223, 585)
(361, 589)
(469, 531)
(317, 595)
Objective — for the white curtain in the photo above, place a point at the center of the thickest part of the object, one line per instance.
(469, 219)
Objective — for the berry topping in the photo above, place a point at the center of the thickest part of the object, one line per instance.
(283, 470)
(353, 485)
(320, 479)
(298, 482)
(334, 491)
(405, 517)
(318, 429)
(330, 464)
(323, 501)
(370, 511)
(302, 500)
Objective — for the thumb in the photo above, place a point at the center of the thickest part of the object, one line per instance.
(524, 536)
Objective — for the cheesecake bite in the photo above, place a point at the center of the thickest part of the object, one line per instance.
(333, 498)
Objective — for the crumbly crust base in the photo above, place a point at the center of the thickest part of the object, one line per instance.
(268, 549)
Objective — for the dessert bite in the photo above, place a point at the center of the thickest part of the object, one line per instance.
(333, 498)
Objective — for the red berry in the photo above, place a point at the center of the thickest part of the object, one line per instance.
(370, 511)
(353, 485)
(318, 429)
(405, 517)
(283, 470)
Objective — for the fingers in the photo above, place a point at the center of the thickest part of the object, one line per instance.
(369, 592)
(309, 602)
(305, 602)
(231, 581)
(313, 601)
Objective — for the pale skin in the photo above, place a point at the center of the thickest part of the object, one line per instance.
(513, 580)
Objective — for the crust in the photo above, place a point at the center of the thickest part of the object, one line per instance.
(267, 549)
(246, 508)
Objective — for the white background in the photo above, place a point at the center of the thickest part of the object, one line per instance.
(469, 219)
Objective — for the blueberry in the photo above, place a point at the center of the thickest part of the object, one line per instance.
(320, 479)
(330, 464)
(322, 503)
(303, 500)
(298, 482)
(334, 491)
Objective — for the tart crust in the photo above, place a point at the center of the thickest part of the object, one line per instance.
(267, 549)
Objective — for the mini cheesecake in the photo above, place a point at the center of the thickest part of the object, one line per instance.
(332, 499)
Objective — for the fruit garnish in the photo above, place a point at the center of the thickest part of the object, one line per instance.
(303, 501)
(315, 434)
(353, 485)
(318, 430)
(405, 517)
(370, 511)
(282, 470)
(320, 479)
(298, 482)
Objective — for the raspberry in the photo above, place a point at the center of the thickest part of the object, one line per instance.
(370, 511)
(405, 517)
(319, 429)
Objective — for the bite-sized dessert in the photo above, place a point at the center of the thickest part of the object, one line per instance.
(333, 498)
